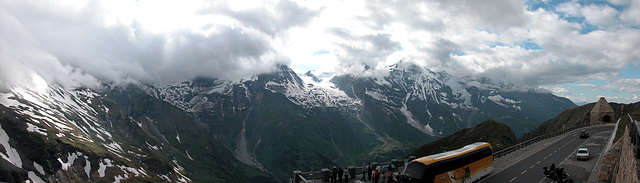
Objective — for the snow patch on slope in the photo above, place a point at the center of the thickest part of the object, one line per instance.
(505, 102)
(39, 168)
(11, 155)
(321, 93)
(34, 128)
(377, 95)
(71, 158)
(68, 112)
(33, 177)
(174, 93)
(413, 122)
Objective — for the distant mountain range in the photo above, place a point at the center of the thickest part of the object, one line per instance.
(262, 128)
(500, 136)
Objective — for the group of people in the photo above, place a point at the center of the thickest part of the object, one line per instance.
(370, 172)
(374, 173)
(337, 175)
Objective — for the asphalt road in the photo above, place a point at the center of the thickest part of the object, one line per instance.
(562, 153)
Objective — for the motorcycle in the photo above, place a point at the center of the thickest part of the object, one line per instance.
(557, 175)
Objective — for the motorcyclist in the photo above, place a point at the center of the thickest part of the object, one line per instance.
(560, 174)
(557, 174)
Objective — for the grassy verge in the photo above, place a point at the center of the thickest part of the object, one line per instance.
(624, 121)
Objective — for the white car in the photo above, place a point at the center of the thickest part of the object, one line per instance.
(583, 153)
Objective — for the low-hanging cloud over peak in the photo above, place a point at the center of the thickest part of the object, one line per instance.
(532, 43)
(74, 46)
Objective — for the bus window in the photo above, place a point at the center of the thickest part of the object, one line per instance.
(415, 170)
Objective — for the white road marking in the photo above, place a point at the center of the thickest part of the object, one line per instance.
(523, 172)
(570, 154)
(531, 166)
(498, 170)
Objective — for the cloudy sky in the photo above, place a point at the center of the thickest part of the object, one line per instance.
(578, 49)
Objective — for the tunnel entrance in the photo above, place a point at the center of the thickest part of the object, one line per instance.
(606, 119)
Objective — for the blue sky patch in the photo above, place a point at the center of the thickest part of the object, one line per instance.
(589, 91)
(457, 53)
(531, 45)
(321, 52)
(586, 27)
(551, 5)
(632, 71)
(493, 45)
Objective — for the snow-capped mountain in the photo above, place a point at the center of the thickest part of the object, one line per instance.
(260, 128)
(59, 135)
(440, 104)
(52, 134)
(355, 118)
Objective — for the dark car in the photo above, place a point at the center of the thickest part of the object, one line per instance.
(584, 134)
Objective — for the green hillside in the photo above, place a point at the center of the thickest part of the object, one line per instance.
(499, 135)
(625, 109)
(580, 115)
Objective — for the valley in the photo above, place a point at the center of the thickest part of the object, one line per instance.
(271, 124)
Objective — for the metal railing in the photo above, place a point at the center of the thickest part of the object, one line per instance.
(634, 133)
(352, 171)
(524, 144)
(320, 175)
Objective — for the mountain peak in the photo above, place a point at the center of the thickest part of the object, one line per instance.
(314, 78)
(282, 80)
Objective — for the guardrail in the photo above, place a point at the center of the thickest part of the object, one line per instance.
(352, 171)
(355, 171)
(634, 133)
(534, 140)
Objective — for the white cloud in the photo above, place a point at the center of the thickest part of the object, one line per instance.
(558, 90)
(587, 85)
(270, 18)
(630, 14)
(83, 44)
(569, 9)
(600, 15)
(86, 42)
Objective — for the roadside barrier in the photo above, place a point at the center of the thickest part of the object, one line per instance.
(534, 140)
(323, 174)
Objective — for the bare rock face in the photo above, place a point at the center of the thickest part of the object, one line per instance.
(262, 128)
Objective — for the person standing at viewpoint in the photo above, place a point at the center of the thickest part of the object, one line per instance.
(369, 169)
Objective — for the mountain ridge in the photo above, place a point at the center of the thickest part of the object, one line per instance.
(270, 124)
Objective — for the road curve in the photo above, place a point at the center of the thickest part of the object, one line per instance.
(562, 153)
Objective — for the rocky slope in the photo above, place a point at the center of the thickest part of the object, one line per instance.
(59, 135)
(281, 122)
(439, 104)
(261, 128)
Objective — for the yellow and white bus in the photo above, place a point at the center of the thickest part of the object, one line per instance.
(467, 164)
